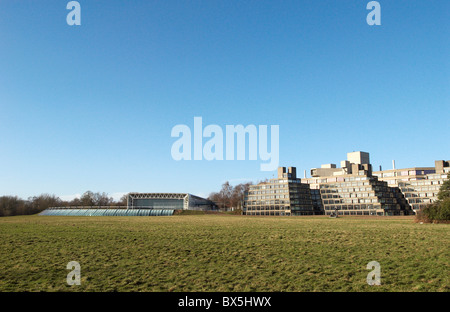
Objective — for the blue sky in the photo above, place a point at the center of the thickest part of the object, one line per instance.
(91, 107)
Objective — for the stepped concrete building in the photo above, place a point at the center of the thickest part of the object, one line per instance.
(283, 196)
(420, 185)
(349, 190)
(353, 190)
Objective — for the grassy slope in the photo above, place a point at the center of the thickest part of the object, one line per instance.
(222, 253)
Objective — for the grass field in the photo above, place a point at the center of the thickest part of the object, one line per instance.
(222, 253)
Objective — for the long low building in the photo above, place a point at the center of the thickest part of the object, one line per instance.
(140, 204)
(100, 211)
(177, 201)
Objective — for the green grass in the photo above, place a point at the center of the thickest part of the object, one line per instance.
(222, 253)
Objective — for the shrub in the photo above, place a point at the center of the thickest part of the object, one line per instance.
(440, 210)
(437, 212)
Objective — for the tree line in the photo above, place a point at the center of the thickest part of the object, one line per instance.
(230, 196)
(13, 205)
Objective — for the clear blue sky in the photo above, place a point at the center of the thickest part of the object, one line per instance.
(91, 107)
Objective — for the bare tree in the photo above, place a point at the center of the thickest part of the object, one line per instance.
(123, 200)
(102, 199)
(95, 199)
(11, 205)
(229, 196)
(42, 202)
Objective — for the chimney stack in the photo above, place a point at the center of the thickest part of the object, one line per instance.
(393, 164)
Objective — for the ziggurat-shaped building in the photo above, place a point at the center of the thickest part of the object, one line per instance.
(349, 190)
(420, 185)
(284, 196)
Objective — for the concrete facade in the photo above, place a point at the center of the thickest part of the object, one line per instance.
(283, 196)
(353, 190)
(420, 185)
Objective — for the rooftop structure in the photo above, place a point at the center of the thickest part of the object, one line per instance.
(355, 162)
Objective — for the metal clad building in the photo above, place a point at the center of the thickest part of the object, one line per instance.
(176, 201)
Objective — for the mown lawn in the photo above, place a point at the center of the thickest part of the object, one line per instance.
(222, 253)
